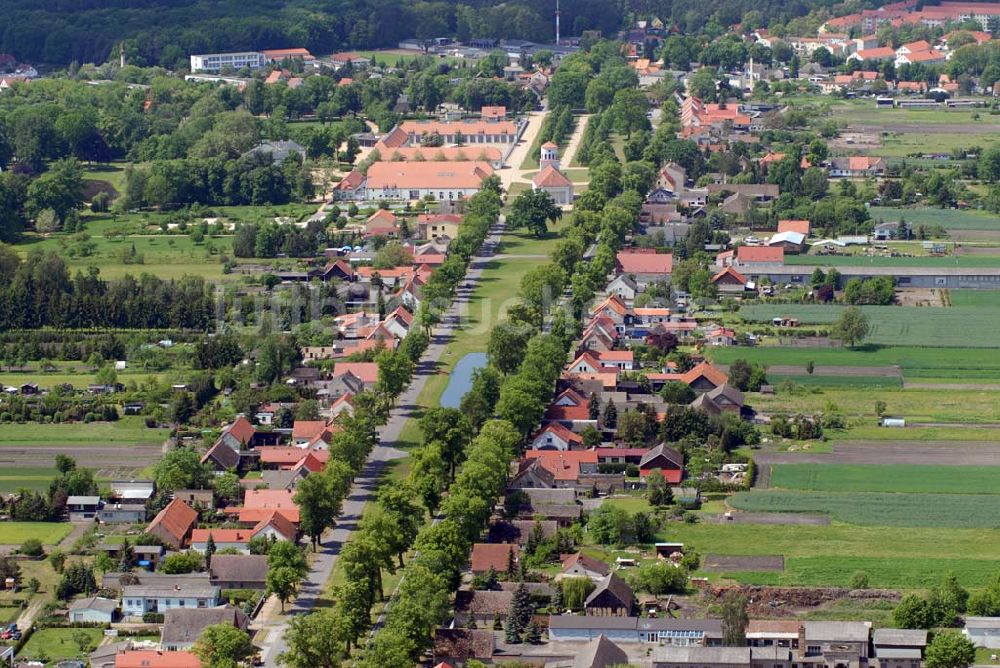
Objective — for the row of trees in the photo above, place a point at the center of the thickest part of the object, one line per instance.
(40, 293)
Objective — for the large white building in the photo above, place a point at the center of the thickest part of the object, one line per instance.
(216, 62)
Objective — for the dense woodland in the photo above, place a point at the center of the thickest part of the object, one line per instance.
(165, 32)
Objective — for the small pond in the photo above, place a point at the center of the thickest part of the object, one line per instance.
(461, 379)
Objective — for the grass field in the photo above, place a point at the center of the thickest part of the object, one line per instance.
(59, 644)
(898, 325)
(880, 509)
(977, 298)
(967, 407)
(127, 431)
(863, 111)
(949, 219)
(902, 572)
(830, 554)
(28, 477)
(50, 533)
(896, 478)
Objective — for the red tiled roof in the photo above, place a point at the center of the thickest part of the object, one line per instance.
(280, 522)
(241, 429)
(307, 429)
(800, 226)
(550, 177)
(729, 271)
(440, 153)
(352, 181)
(573, 413)
(615, 356)
(485, 555)
(366, 372)
(560, 431)
(176, 520)
(877, 53)
(222, 535)
(466, 128)
(645, 263)
(154, 658)
(760, 254)
(715, 375)
(613, 302)
(402, 175)
(563, 465)
(289, 456)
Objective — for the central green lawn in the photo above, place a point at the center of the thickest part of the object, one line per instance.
(59, 644)
(127, 431)
(895, 478)
(50, 533)
(880, 509)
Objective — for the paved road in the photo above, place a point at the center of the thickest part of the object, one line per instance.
(271, 636)
(513, 173)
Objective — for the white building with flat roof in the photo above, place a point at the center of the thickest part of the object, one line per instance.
(216, 62)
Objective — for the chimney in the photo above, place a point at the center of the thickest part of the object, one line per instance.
(802, 641)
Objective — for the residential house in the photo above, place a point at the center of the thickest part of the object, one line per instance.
(196, 498)
(458, 646)
(238, 571)
(579, 565)
(122, 513)
(554, 436)
(93, 610)
(648, 316)
(382, 223)
(645, 267)
(498, 556)
(173, 524)
(858, 166)
(664, 459)
(155, 658)
(747, 256)
(132, 490)
(82, 508)
(723, 399)
(481, 606)
(757, 192)
(614, 309)
(600, 653)
(612, 597)
(729, 281)
(575, 418)
(366, 372)
(261, 504)
(276, 152)
(877, 54)
(623, 360)
(720, 336)
(182, 626)
(898, 648)
(434, 225)
(519, 531)
(139, 599)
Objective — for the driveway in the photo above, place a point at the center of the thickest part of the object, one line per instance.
(273, 625)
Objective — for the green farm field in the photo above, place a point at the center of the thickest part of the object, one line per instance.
(901, 478)
(50, 533)
(919, 405)
(899, 325)
(949, 219)
(864, 112)
(127, 431)
(876, 509)
(829, 554)
(820, 381)
(36, 478)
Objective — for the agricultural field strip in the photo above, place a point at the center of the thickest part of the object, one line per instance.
(902, 478)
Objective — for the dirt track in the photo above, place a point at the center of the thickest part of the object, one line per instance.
(819, 370)
(788, 519)
(926, 128)
(726, 563)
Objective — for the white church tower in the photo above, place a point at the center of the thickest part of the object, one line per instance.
(549, 156)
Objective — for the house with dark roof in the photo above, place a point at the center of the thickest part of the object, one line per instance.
(898, 648)
(182, 626)
(458, 646)
(481, 606)
(173, 524)
(664, 459)
(600, 653)
(238, 571)
(613, 597)
(519, 531)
